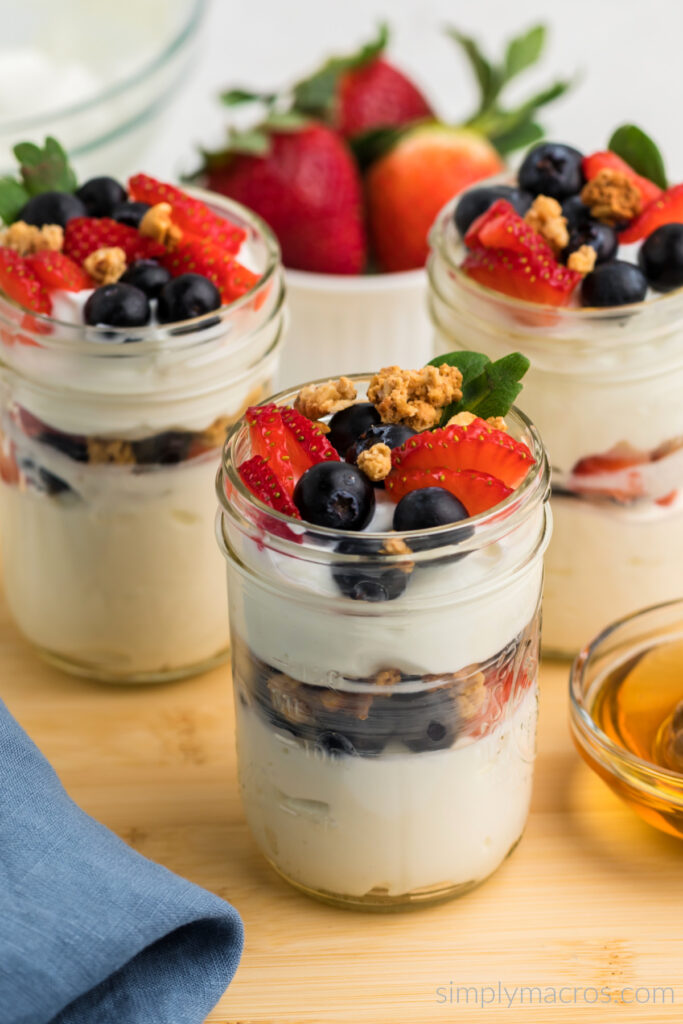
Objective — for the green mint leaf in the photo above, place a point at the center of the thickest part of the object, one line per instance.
(489, 78)
(520, 137)
(640, 152)
(13, 196)
(471, 366)
(235, 97)
(495, 391)
(523, 51)
(46, 169)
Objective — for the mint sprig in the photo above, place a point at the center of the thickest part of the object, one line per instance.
(488, 389)
(515, 127)
(640, 152)
(41, 169)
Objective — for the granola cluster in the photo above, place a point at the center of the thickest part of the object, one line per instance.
(545, 217)
(375, 462)
(105, 265)
(463, 419)
(318, 400)
(583, 259)
(157, 223)
(612, 197)
(27, 239)
(415, 397)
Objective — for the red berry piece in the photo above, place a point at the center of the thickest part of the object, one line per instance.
(189, 214)
(84, 235)
(56, 270)
(262, 481)
(501, 227)
(523, 276)
(596, 162)
(478, 492)
(18, 281)
(666, 209)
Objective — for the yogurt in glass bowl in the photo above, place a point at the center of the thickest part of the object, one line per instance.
(605, 373)
(385, 679)
(111, 437)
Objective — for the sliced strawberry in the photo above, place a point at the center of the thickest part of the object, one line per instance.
(269, 440)
(666, 209)
(259, 477)
(501, 227)
(305, 443)
(478, 446)
(201, 258)
(18, 281)
(84, 235)
(607, 160)
(190, 214)
(56, 270)
(614, 475)
(477, 491)
(529, 277)
(239, 279)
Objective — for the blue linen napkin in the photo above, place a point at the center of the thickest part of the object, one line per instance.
(91, 932)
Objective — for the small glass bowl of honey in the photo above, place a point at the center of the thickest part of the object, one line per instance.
(626, 692)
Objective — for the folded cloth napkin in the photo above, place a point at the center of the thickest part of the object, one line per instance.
(90, 931)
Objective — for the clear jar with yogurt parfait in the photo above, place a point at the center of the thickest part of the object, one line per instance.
(603, 388)
(385, 680)
(110, 441)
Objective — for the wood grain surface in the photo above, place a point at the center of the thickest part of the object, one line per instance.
(592, 898)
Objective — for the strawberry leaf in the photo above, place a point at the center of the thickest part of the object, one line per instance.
(523, 51)
(519, 137)
(488, 77)
(488, 389)
(315, 95)
(640, 152)
(237, 97)
(375, 142)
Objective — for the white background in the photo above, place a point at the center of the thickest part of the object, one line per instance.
(626, 54)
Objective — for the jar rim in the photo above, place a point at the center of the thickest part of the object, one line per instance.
(617, 760)
(575, 315)
(80, 339)
(484, 528)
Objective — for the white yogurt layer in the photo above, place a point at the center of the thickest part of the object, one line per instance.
(605, 562)
(291, 614)
(395, 823)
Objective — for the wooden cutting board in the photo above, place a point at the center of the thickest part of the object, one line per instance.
(592, 898)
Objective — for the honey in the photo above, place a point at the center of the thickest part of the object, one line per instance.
(639, 705)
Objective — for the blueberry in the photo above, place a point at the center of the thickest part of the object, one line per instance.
(117, 305)
(147, 275)
(53, 484)
(345, 733)
(101, 195)
(335, 495)
(425, 720)
(130, 213)
(187, 296)
(391, 434)
(661, 257)
(165, 449)
(348, 424)
(52, 208)
(576, 212)
(552, 169)
(613, 284)
(600, 237)
(427, 508)
(72, 445)
(477, 201)
(368, 581)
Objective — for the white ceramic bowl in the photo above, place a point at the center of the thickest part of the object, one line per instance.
(354, 324)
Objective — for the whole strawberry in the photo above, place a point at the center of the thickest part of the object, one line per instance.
(407, 187)
(306, 185)
(362, 91)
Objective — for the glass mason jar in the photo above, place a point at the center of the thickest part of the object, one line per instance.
(108, 456)
(385, 746)
(604, 389)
